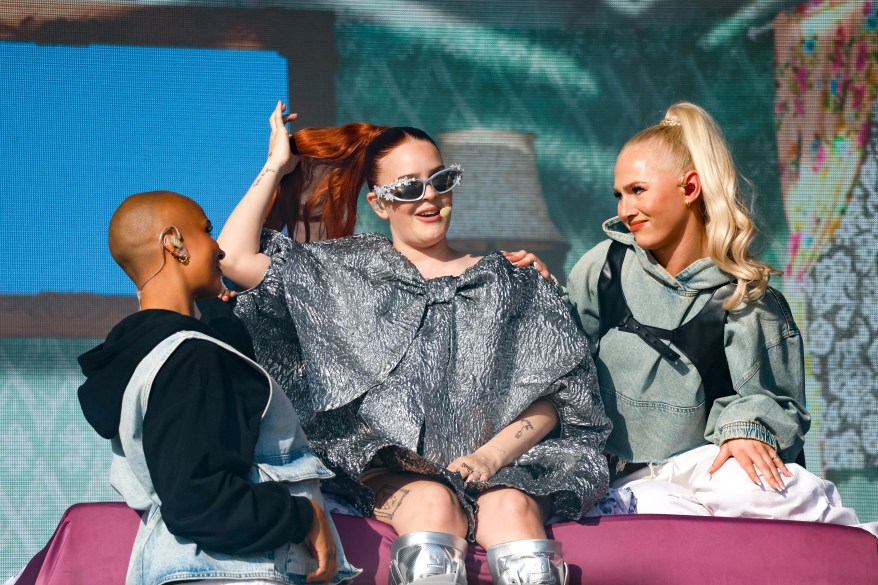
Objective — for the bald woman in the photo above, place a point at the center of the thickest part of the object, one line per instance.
(145, 231)
(202, 442)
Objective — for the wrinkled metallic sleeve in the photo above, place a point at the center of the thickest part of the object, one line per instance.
(385, 367)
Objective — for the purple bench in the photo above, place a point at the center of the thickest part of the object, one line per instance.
(92, 543)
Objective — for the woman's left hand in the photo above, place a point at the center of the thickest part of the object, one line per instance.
(474, 467)
(753, 456)
(524, 258)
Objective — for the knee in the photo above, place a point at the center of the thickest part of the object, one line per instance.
(436, 503)
(507, 514)
(509, 503)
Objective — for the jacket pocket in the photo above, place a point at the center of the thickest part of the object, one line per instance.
(301, 465)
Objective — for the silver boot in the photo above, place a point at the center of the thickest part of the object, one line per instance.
(521, 562)
(428, 557)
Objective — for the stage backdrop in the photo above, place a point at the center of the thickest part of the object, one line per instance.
(101, 100)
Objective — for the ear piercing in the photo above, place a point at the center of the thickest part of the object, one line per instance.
(180, 253)
(181, 256)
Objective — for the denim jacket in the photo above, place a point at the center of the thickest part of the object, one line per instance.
(657, 406)
(281, 454)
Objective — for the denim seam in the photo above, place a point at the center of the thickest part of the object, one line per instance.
(790, 327)
(652, 405)
(746, 376)
(752, 370)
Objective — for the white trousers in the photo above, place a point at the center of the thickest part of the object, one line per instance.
(232, 582)
(683, 486)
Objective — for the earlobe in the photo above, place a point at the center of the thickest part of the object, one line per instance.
(691, 187)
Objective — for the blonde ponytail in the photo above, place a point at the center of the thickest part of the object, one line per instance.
(693, 140)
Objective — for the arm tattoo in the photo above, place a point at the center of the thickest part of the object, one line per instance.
(525, 426)
(388, 500)
(262, 174)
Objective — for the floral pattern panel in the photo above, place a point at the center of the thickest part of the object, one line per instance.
(826, 55)
(841, 298)
(827, 82)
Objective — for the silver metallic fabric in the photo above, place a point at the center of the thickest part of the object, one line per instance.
(427, 557)
(527, 562)
(388, 369)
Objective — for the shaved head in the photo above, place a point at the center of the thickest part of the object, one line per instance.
(136, 226)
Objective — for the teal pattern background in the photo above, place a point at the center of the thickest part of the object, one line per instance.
(583, 93)
(49, 457)
(581, 76)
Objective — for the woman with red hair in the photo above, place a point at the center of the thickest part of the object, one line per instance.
(318, 199)
(452, 395)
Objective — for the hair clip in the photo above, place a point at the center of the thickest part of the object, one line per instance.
(670, 122)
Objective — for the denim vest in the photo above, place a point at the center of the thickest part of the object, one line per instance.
(281, 454)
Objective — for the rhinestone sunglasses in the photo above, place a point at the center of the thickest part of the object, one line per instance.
(412, 189)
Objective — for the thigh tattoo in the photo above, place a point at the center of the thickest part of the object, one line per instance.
(388, 499)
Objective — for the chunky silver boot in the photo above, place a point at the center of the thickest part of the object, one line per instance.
(530, 562)
(428, 557)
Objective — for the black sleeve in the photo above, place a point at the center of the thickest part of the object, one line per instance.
(219, 315)
(200, 431)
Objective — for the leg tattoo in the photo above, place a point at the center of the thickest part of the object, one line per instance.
(388, 500)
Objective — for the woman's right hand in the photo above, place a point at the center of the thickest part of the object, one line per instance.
(322, 545)
(523, 258)
(280, 155)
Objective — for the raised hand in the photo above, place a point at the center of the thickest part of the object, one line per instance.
(280, 156)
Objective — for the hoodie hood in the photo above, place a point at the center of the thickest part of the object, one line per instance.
(700, 275)
(109, 366)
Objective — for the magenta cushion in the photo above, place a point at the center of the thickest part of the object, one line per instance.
(92, 544)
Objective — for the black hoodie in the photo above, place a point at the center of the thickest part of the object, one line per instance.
(199, 433)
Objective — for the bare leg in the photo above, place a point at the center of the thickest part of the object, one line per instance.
(412, 503)
(507, 514)
(431, 526)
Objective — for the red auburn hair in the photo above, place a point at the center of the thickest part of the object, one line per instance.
(337, 161)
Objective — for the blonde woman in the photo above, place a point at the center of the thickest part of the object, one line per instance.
(699, 361)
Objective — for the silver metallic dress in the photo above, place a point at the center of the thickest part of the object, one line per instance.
(388, 369)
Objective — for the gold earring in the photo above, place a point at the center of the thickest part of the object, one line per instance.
(181, 255)
(687, 203)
